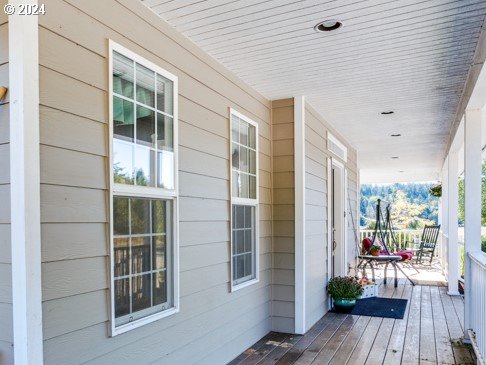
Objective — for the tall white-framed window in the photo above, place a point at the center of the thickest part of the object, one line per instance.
(143, 190)
(244, 200)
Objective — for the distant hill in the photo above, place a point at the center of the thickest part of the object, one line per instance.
(412, 205)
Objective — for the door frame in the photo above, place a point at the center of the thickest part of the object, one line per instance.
(333, 163)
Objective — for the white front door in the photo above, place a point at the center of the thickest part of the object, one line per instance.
(337, 219)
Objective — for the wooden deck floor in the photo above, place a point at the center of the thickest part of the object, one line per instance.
(429, 334)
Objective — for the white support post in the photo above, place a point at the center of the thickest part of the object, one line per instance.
(25, 186)
(299, 171)
(472, 201)
(445, 217)
(452, 226)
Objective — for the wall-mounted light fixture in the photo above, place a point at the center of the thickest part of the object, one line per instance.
(3, 92)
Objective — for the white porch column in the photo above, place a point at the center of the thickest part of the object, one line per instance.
(25, 186)
(472, 203)
(299, 166)
(445, 217)
(452, 226)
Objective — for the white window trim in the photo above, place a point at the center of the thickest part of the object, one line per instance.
(143, 192)
(338, 143)
(245, 201)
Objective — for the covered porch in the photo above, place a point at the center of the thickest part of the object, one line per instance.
(429, 333)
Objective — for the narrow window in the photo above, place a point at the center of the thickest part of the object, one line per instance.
(244, 200)
(143, 190)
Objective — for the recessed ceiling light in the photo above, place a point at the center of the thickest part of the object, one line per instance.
(327, 25)
(394, 157)
(396, 135)
(388, 112)
(401, 171)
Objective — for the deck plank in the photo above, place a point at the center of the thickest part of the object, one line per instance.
(442, 340)
(339, 324)
(251, 350)
(411, 347)
(303, 343)
(377, 351)
(427, 333)
(271, 344)
(362, 348)
(348, 345)
(331, 346)
(462, 354)
(280, 350)
(394, 350)
(459, 307)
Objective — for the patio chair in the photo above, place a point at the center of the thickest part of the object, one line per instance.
(428, 242)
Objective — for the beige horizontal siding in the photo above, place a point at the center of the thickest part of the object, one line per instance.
(316, 210)
(74, 204)
(196, 310)
(5, 283)
(3, 41)
(283, 215)
(4, 126)
(68, 241)
(5, 252)
(72, 132)
(237, 341)
(316, 219)
(194, 75)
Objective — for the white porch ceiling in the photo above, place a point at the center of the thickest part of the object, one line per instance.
(409, 56)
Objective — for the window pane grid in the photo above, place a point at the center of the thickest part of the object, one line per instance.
(141, 235)
(243, 243)
(140, 274)
(244, 175)
(142, 105)
(243, 159)
(244, 145)
(143, 191)
(138, 297)
(143, 156)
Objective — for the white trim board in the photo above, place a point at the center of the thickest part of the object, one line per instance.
(299, 176)
(23, 44)
(245, 201)
(342, 205)
(144, 192)
(329, 225)
(336, 147)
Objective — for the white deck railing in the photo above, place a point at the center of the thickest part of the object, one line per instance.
(404, 237)
(477, 302)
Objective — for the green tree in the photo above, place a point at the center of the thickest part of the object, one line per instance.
(483, 197)
(412, 205)
(406, 214)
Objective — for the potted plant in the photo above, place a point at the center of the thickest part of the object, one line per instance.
(375, 250)
(344, 290)
(369, 288)
(436, 190)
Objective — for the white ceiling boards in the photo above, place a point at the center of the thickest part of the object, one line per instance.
(411, 57)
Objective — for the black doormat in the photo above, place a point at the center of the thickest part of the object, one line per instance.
(379, 307)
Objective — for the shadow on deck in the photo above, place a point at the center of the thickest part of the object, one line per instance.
(430, 332)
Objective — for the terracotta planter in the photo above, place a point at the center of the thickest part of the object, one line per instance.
(375, 253)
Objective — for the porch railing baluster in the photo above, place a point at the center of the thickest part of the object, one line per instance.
(477, 302)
